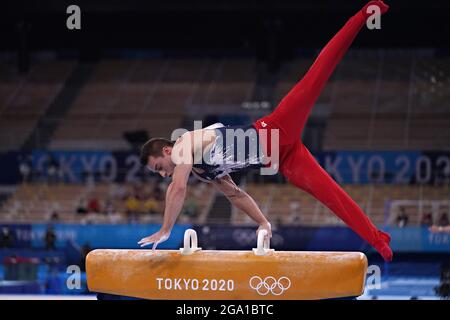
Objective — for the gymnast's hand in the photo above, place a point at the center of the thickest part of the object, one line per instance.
(156, 238)
(265, 226)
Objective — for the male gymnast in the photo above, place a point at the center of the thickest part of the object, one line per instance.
(177, 159)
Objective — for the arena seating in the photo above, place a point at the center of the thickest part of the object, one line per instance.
(37, 202)
(375, 100)
(25, 98)
(390, 102)
(152, 94)
(278, 201)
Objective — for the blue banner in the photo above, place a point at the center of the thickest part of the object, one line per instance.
(418, 239)
(372, 167)
(74, 166)
(283, 238)
(21, 234)
(350, 167)
(408, 239)
(227, 237)
(124, 236)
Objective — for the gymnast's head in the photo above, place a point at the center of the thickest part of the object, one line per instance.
(156, 156)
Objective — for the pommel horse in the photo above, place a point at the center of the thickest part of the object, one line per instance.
(191, 273)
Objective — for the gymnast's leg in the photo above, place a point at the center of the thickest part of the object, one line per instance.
(291, 114)
(303, 171)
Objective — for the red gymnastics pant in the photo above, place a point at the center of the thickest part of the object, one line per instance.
(296, 162)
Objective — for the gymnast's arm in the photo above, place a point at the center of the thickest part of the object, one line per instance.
(243, 201)
(175, 196)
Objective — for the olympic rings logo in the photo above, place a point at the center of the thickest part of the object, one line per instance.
(270, 285)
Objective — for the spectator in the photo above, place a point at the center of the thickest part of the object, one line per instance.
(402, 218)
(54, 216)
(151, 205)
(132, 205)
(443, 220)
(82, 207)
(6, 238)
(53, 213)
(50, 239)
(427, 220)
(93, 206)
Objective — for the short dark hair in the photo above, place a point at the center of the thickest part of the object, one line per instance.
(153, 147)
